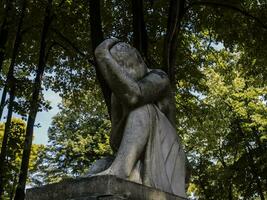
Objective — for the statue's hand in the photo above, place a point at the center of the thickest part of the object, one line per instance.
(105, 46)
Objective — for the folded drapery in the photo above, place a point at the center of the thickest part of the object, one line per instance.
(163, 163)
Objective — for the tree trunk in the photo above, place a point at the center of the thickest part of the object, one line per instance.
(176, 12)
(34, 105)
(221, 159)
(10, 83)
(96, 38)
(230, 191)
(251, 162)
(202, 183)
(13, 189)
(4, 33)
(3, 101)
(139, 29)
(14, 55)
(5, 139)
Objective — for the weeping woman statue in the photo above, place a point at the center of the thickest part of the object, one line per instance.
(148, 150)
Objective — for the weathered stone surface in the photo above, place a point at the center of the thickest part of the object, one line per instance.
(99, 187)
(148, 149)
(100, 165)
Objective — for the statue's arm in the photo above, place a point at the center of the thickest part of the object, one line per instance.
(121, 84)
(153, 86)
(125, 88)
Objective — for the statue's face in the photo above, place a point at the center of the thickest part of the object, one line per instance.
(129, 59)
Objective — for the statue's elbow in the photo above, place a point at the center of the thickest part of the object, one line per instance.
(98, 52)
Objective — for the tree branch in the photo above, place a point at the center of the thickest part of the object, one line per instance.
(72, 45)
(49, 50)
(176, 13)
(97, 36)
(139, 28)
(229, 6)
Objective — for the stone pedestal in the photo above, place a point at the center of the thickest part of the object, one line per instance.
(99, 187)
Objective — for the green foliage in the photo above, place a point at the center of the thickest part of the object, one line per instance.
(77, 137)
(220, 89)
(222, 121)
(14, 154)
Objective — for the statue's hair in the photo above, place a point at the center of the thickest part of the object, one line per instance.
(129, 59)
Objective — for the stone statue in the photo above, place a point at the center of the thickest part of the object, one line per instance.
(143, 134)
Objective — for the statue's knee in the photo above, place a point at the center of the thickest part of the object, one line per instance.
(140, 113)
(141, 118)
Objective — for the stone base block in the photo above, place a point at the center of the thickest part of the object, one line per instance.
(99, 187)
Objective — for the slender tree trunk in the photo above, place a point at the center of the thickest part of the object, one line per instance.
(140, 40)
(14, 54)
(176, 12)
(202, 184)
(96, 38)
(5, 139)
(230, 192)
(254, 172)
(34, 104)
(13, 189)
(3, 101)
(251, 163)
(11, 83)
(4, 32)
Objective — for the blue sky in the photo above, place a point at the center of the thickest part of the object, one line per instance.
(43, 118)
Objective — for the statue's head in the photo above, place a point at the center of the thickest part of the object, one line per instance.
(129, 59)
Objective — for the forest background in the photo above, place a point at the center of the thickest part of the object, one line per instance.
(214, 52)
